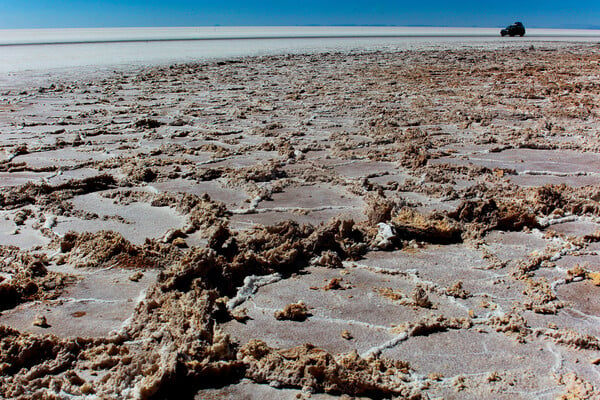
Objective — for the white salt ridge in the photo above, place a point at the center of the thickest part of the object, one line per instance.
(251, 284)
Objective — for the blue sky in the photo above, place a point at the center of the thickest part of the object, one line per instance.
(113, 13)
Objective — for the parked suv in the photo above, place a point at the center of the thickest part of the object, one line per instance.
(513, 30)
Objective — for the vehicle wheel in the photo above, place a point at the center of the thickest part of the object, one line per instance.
(521, 34)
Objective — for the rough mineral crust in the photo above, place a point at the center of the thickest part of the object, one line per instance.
(438, 210)
(295, 312)
(315, 369)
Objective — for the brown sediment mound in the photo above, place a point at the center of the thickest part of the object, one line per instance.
(316, 370)
(414, 156)
(335, 284)
(441, 172)
(328, 259)
(486, 215)
(379, 209)
(577, 388)
(173, 337)
(431, 323)
(209, 174)
(21, 216)
(288, 246)
(540, 297)
(571, 338)
(420, 297)
(457, 291)
(205, 214)
(577, 271)
(294, 312)
(550, 199)
(29, 279)
(258, 173)
(201, 211)
(45, 195)
(9, 166)
(33, 366)
(433, 228)
(111, 249)
(594, 277)
(148, 123)
(591, 238)
(512, 324)
(41, 321)
(179, 350)
(524, 268)
(394, 295)
(140, 173)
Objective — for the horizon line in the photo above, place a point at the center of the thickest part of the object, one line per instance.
(441, 32)
(564, 26)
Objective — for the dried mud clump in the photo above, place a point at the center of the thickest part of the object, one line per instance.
(259, 173)
(457, 291)
(140, 173)
(293, 312)
(173, 335)
(284, 248)
(329, 259)
(594, 277)
(316, 370)
(108, 248)
(179, 349)
(34, 366)
(541, 298)
(570, 338)
(433, 228)
(524, 268)
(548, 199)
(560, 199)
(420, 297)
(26, 278)
(415, 156)
(202, 212)
(511, 324)
(486, 215)
(433, 323)
(148, 123)
(378, 209)
(577, 388)
(46, 195)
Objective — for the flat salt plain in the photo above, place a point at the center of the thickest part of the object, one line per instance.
(32, 55)
(427, 198)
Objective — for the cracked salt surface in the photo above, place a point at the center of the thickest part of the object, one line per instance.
(487, 312)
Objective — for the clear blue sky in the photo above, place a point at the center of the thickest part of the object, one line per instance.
(121, 13)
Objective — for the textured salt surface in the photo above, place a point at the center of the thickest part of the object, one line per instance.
(451, 247)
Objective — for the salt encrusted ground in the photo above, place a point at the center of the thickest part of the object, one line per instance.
(430, 216)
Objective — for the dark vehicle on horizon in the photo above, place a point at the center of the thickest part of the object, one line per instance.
(513, 30)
